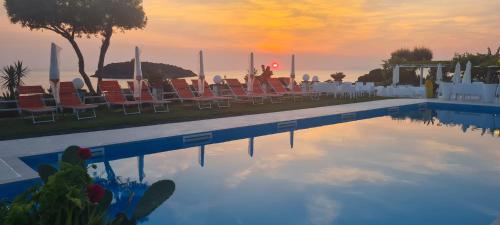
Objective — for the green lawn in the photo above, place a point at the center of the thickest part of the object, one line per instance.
(18, 127)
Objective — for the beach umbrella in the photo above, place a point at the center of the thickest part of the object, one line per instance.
(201, 76)
(395, 75)
(251, 75)
(467, 74)
(137, 73)
(292, 74)
(439, 73)
(456, 75)
(54, 72)
(421, 77)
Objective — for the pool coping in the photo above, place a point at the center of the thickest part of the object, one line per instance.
(12, 150)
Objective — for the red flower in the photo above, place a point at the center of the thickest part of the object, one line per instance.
(95, 193)
(84, 153)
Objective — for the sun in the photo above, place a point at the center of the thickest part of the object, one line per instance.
(275, 65)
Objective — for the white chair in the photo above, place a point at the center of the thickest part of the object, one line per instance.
(445, 91)
(370, 88)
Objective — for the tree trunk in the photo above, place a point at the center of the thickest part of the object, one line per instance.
(81, 65)
(102, 55)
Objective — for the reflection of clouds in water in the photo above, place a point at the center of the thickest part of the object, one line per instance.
(496, 222)
(273, 160)
(406, 146)
(344, 176)
(382, 144)
(237, 178)
(322, 210)
(191, 213)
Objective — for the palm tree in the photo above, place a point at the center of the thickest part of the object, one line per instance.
(12, 77)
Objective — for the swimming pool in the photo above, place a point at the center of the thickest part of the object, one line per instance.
(419, 164)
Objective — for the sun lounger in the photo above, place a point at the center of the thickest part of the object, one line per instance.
(147, 97)
(30, 101)
(278, 88)
(68, 99)
(184, 93)
(207, 93)
(113, 96)
(257, 90)
(239, 92)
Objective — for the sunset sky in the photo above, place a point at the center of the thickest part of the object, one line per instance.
(324, 34)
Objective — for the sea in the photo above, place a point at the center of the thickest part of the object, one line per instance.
(41, 77)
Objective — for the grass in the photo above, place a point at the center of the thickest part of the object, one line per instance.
(19, 127)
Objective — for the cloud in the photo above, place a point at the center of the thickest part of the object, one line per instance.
(342, 176)
(322, 210)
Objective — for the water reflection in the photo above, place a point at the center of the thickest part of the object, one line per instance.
(403, 169)
(201, 156)
(250, 146)
(126, 191)
(467, 121)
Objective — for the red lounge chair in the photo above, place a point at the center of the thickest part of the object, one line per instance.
(184, 93)
(257, 90)
(30, 100)
(68, 98)
(239, 92)
(147, 97)
(113, 95)
(207, 93)
(278, 88)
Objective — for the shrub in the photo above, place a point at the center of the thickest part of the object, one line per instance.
(69, 196)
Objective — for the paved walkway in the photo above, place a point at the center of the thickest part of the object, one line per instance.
(13, 169)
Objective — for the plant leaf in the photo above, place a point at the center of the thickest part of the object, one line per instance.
(122, 219)
(154, 197)
(70, 155)
(45, 171)
(105, 201)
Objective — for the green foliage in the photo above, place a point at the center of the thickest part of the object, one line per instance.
(12, 77)
(378, 76)
(8, 96)
(45, 171)
(70, 156)
(63, 199)
(338, 76)
(486, 67)
(419, 54)
(79, 18)
(154, 197)
(4, 209)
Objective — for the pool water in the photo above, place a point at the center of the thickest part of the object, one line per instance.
(417, 167)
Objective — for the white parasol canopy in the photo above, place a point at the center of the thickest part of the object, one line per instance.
(54, 72)
(201, 76)
(251, 75)
(467, 79)
(456, 75)
(137, 73)
(439, 73)
(395, 75)
(292, 73)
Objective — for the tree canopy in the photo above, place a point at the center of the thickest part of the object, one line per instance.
(65, 17)
(154, 72)
(486, 66)
(74, 19)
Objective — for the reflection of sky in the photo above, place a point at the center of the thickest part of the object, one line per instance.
(376, 171)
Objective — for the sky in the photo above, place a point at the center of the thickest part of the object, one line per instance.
(323, 34)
